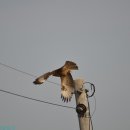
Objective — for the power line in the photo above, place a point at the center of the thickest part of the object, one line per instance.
(46, 102)
(7, 66)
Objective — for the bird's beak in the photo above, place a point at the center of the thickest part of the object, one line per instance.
(75, 67)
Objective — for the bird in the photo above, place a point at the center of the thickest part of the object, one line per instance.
(67, 82)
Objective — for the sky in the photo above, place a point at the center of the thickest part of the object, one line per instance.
(37, 36)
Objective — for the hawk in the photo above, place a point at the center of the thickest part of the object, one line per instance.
(67, 83)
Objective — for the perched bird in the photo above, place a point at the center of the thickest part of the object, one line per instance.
(67, 83)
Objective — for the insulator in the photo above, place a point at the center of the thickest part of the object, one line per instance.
(81, 109)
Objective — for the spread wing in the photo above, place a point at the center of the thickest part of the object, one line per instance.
(41, 79)
(67, 87)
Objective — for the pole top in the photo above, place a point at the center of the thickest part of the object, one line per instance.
(79, 82)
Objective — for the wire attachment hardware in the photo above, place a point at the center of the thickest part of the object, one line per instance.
(92, 89)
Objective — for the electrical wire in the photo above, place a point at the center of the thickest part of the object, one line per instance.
(18, 95)
(94, 106)
(92, 88)
(46, 102)
(7, 66)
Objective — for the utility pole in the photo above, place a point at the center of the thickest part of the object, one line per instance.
(82, 108)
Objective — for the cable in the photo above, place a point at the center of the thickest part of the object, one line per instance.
(90, 120)
(92, 87)
(92, 95)
(54, 104)
(94, 107)
(7, 66)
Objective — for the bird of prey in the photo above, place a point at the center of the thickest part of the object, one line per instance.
(67, 83)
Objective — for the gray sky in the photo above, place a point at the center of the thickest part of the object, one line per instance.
(39, 36)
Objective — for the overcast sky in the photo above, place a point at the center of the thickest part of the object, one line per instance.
(38, 36)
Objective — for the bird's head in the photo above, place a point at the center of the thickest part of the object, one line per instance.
(71, 65)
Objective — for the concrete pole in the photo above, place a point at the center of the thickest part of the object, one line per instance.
(82, 107)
